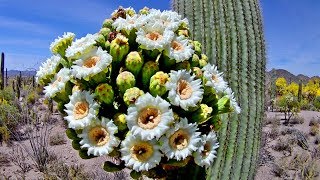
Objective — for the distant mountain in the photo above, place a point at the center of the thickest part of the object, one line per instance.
(276, 73)
(12, 73)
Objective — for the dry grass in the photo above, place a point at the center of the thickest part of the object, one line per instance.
(314, 122)
(297, 120)
(57, 139)
(282, 145)
(314, 130)
(310, 170)
(4, 159)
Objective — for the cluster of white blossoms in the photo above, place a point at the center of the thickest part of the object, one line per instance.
(139, 90)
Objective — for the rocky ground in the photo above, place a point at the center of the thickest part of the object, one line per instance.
(290, 152)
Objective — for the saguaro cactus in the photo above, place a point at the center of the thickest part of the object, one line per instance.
(231, 34)
(2, 71)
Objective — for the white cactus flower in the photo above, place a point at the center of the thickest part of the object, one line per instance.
(98, 137)
(81, 110)
(184, 90)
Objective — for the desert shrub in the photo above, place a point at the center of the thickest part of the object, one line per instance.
(305, 105)
(274, 133)
(271, 120)
(297, 120)
(314, 130)
(32, 97)
(57, 139)
(279, 170)
(316, 103)
(7, 94)
(298, 161)
(317, 139)
(60, 170)
(4, 159)
(314, 122)
(20, 158)
(310, 170)
(286, 131)
(9, 120)
(315, 153)
(282, 145)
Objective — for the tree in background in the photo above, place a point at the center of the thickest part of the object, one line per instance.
(281, 84)
(289, 105)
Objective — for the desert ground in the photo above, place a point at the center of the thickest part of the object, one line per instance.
(292, 151)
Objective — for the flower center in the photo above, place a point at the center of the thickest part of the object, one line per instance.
(149, 118)
(206, 150)
(154, 36)
(215, 78)
(176, 46)
(184, 89)
(81, 110)
(55, 83)
(91, 62)
(142, 151)
(99, 136)
(179, 140)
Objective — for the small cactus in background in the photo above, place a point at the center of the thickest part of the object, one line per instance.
(300, 92)
(2, 71)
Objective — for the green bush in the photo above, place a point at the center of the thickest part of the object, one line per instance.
(7, 94)
(316, 103)
(32, 97)
(9, 118)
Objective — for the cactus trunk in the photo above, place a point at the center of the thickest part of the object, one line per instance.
(231, 32)
(2, 71)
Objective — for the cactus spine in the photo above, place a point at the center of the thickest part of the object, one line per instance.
(231, 34)
(2, 71)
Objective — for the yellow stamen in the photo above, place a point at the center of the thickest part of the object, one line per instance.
(55, 83)
(154, 36)
(177, 46)
(149, 118)
(91, 62)
(179, 140)
(99, 136)
(184, 89)
(81, 110)
(142, 151)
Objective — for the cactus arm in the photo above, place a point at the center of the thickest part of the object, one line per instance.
(197, 21)
(2, 71)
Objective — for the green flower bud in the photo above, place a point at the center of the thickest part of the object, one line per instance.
(104, 93)
(130, 12)
(167, 63)
(120, 121)
(107, 45)
(183, 32)
(131, 95)
(134, 62)
(101, 40)
(194, 61)
(224, 105)
(157, 83)
(125, 80)
(203, 61)
(197, 47)
(148, 70)
(107, 23)
(144, 11)
(153, 54)
(202, 114)
(119, 48)
(197, 72)
(105, 32)
(183, 65)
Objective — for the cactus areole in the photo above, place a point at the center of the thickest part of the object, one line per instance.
(142, 91)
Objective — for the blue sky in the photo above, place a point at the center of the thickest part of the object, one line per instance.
(292, 29)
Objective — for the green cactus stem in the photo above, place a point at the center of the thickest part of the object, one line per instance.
(231, 34)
